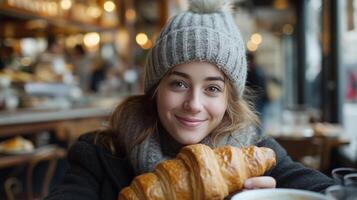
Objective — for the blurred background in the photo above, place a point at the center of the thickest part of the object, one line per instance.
(64, 65)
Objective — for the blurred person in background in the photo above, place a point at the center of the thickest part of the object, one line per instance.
(257, 82)
(6, 56)
(98, 74)
(3, 57)
(82, 65)
(351, 91)
(51, 65)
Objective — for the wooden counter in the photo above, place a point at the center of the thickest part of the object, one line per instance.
(29, 122)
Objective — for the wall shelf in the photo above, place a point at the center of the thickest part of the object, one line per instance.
(16, 23)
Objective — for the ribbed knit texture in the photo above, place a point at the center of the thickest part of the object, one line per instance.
(190, 36)
(146, 155)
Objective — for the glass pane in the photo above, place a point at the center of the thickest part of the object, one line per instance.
(349, 72)
(313, 54)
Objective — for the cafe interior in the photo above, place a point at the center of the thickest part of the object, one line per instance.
(65, 64)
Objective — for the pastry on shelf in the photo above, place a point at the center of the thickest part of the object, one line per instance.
(199, 172)
(16, 145)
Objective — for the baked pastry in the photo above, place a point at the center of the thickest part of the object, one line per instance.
(199, 172)
(16, 145)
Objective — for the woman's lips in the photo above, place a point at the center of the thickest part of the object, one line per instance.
(189, 122)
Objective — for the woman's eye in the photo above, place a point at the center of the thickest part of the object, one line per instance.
(213, 89)
(178, 84)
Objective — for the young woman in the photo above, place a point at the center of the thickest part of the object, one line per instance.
(194, 85)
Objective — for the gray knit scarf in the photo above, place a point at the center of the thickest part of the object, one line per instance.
(159, 146)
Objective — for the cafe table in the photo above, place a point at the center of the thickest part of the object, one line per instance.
(322, 147)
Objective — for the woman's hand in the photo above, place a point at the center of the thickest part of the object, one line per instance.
(260, 182)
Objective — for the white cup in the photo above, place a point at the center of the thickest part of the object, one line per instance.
(278, 194)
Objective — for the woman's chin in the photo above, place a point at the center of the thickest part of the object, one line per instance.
(187, 137)
(189, 141)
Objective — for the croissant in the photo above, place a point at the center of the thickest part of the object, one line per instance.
(199, 172)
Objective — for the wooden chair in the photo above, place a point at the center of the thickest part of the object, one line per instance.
(308, 151)
(49, 154)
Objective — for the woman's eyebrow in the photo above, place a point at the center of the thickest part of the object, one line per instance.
(215, 78)
(210, 78)
(180, 74)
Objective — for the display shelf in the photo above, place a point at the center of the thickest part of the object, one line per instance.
(15, 23)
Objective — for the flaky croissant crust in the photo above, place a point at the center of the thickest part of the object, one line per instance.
(199, 172)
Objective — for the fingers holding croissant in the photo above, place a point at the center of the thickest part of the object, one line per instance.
(199, 172)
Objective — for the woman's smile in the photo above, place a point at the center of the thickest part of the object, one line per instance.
(189, 122)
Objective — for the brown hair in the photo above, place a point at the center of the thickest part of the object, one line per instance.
(239, 115)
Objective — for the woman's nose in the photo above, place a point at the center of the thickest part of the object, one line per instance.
(193, 103)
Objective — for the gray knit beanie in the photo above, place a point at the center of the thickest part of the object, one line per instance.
(206, 32)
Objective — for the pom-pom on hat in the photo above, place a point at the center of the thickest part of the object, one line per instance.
(206, 32)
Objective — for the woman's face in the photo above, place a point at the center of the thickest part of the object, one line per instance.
(191, 101)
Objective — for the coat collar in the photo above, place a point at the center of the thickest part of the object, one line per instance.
(118, 169)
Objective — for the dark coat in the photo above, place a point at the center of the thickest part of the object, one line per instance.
(94, 173)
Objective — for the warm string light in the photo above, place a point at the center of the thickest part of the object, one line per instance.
(109, 6)
(256, 38)
(254, 42)
(91, 39)
(130, 15)
(143, 40)
(147, 45)
(66, 4)
(280, 4)
(251, 46)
